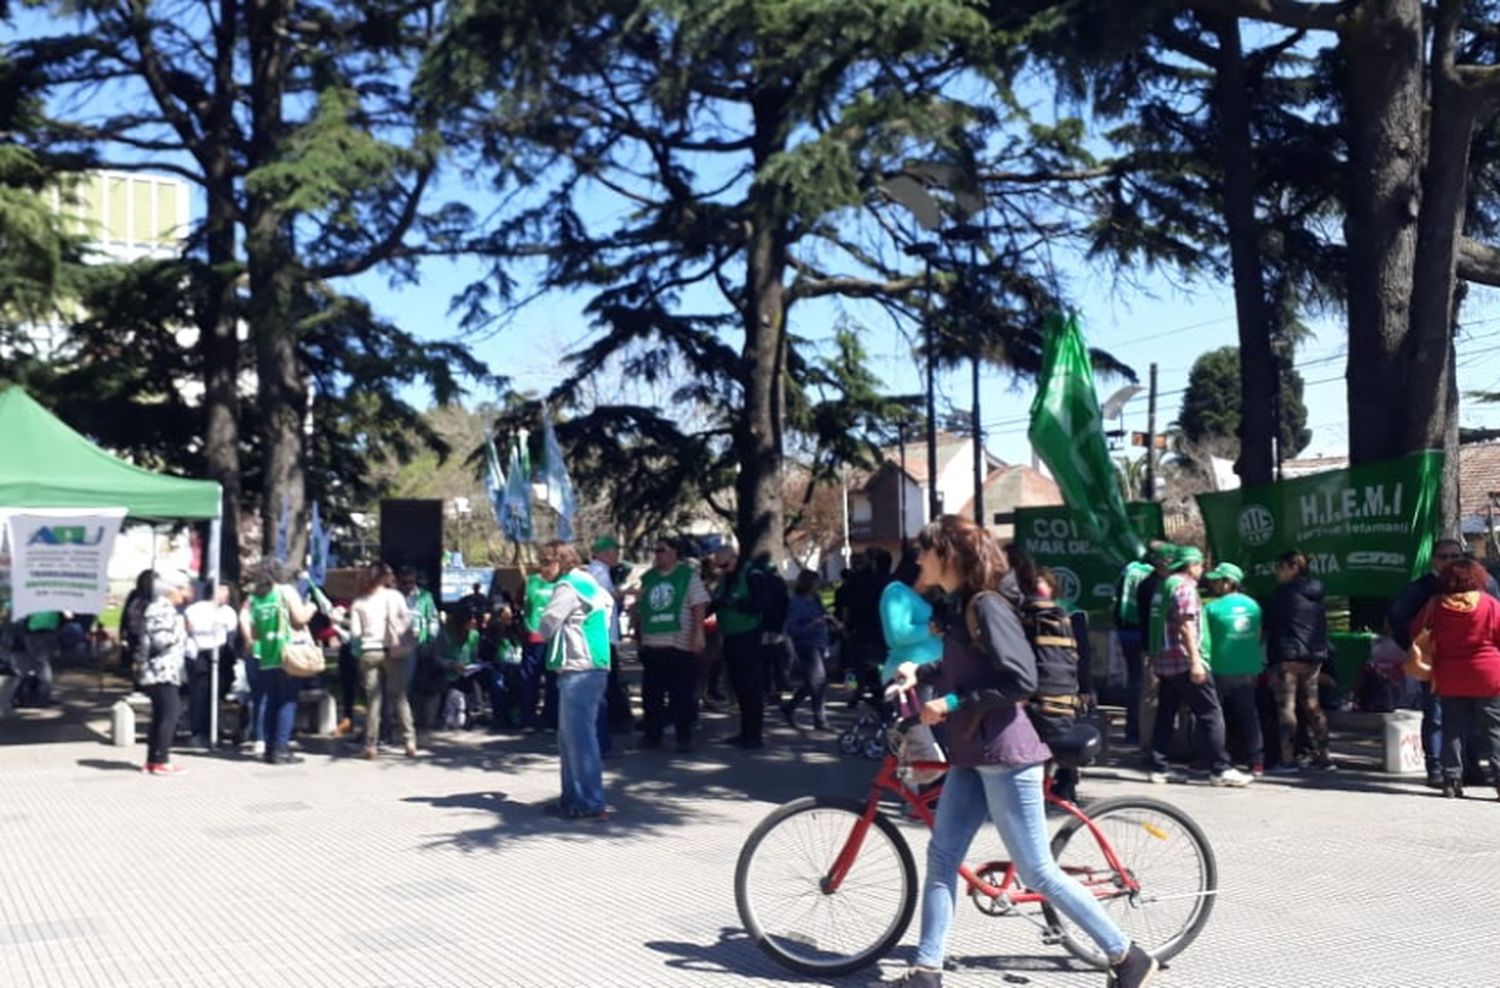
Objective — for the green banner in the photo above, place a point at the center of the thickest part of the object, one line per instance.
(1058, 538)
(1367, 530)
(1067, 432)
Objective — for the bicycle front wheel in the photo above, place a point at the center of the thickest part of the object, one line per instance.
(1168, 856)
(780, 888)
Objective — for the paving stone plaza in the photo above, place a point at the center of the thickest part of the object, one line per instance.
(338, 873)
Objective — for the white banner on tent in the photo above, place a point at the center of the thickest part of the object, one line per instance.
(59, 558)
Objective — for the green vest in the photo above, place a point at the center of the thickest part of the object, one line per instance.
(1158, 617)
(423, 613)
(1127, 608)
(662, 598)
(595, 623)
(1233, 626)
(538, 592)
(268, 623)
(733, 620)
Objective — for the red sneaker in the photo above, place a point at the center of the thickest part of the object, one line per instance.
(1257, 770)
(149, 768)
(170, 769)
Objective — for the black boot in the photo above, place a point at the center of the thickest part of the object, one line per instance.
(1453, 787)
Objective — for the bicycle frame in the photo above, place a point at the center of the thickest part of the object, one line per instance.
(1114, 882)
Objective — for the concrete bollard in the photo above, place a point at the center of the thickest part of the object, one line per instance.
(1403, 743)
(122, 727)
(328, 714)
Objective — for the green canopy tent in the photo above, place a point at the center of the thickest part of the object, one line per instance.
(46, 464)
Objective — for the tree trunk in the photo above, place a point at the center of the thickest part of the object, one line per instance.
(1384, 93)
(1258, 384)
(218, 324)
(1429, 344)
(282, 389)
(758, 434)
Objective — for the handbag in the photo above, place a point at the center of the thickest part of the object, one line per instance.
(303, 659)
(1418, 664)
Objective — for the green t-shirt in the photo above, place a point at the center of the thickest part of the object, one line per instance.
(538, 593)
(269, 626)
(460, 653)
(1232, 623)
(1127, 608)
(424, 615)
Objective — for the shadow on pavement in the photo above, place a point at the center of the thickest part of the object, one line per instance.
(629, 816)
(104, 765)
(734, 955)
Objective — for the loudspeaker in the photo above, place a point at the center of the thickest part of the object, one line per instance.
(411, 534)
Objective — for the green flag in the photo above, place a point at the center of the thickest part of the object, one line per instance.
(1067, 433)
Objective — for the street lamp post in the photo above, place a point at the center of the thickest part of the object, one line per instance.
(925, 251)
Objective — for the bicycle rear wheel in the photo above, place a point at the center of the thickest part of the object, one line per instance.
(778, 887)
(1166, 853)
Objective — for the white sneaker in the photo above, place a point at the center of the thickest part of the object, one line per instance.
(1231, 777)
(1172, 775)
(258, 748)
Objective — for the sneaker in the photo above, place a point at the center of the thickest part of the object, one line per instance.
(1173, 775)
(150, 769)
(1232, 777)
(170, 770)
(1257, 770)
(918, 977)
(198, 741)
(1285, 768)
(1327, 765)
(1136, 971)
(258, 748)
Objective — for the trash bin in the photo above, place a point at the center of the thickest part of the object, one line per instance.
(1351, 650)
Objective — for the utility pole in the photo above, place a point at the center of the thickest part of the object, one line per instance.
(971, 297)
(901, 487)
(1150, 492)
(934, 499)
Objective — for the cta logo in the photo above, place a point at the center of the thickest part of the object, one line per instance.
(1068, 584)
(1257, 524)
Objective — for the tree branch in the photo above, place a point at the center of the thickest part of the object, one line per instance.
(804, 288)
(1289, 13)
(1478, 263)
(389, 245)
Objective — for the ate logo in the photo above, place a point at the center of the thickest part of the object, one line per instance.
(661, 596)
(1257, 525)
(66, 535)
(1068, 585)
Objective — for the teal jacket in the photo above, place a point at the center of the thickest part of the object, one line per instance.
(906, 618)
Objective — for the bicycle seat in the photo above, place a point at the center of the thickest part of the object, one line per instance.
(1076, 747)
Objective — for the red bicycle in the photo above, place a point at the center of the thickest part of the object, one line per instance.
(827, 886)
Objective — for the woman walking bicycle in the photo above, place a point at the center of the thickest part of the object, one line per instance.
(996, 754)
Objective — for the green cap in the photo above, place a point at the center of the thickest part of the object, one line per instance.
(1163, 552)
(1226, 571)
(1187, 555)
(604, 543)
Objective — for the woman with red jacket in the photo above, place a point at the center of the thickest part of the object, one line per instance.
(1465, 623)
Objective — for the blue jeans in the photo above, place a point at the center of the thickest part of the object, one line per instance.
(1012, 797)
(1432, 730)
(579, 696)
(279, 709)
(528, 682)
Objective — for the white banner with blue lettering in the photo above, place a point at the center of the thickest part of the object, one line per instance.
(59, 558)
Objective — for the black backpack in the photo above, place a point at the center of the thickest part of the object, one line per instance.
(1049, 631)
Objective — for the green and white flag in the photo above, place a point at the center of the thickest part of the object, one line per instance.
(1067, 432)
